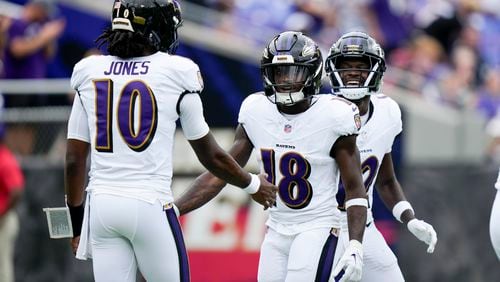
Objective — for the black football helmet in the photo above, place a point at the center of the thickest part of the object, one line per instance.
(355, 46)
(291, 68)
(157, 20)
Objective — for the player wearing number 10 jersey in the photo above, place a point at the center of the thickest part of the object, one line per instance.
(125, 113)
(304, 142)
(355, 67)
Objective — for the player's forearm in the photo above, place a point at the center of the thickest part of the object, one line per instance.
(356, 206)
(74, 180)
(347, 157)
(220, 163)
(225, 167)
(356, 220)
(390, 192)
(203, 189)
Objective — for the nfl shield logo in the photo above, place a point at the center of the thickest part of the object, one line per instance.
(288, 128)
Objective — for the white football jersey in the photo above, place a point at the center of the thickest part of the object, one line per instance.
(375, 139)
(131, 107)
(294, 150)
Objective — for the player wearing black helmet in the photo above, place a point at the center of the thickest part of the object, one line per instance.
(291, 68)
(142, 26)
(304, 142)
(355, 66)
(125, 114)
(347, 79)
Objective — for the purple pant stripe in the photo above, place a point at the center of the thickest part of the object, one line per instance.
(179, 243)
(326, 259)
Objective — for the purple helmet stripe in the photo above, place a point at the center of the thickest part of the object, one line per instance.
(179, 243)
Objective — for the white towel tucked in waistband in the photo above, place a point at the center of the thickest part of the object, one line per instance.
(84, 250)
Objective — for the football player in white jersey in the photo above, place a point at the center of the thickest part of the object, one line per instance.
(125, 114)
(495, 220)
(304, 142)
(355, 66)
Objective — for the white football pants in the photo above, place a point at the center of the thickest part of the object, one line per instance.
(307, 256)
(128, 233)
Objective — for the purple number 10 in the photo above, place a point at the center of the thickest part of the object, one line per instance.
(133, 92)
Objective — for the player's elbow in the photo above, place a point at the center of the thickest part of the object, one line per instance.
(354, 189)
(76, 154)
(73, 163)
(387, 183)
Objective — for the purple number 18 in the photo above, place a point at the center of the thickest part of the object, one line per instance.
(294, 189)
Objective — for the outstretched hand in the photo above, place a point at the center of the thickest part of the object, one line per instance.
(266, 195)
(424, 232)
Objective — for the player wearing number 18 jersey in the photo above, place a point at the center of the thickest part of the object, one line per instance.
(125, 114)
(304, 142)
(355, 67)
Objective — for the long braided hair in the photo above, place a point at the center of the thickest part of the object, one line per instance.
(125, 44)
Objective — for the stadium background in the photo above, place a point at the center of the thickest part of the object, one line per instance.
(444, 158)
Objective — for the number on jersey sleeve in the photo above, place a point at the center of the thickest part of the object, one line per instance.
(135, 91)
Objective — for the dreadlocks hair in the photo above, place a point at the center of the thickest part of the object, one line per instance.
(124, 44)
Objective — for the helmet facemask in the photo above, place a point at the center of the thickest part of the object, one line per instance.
(287, 82)
(291, 68)
(354, 77)
(355, 66)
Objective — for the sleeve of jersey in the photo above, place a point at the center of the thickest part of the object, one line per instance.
(193, 123)
(348, 120)
(250, 106)
(78, 124)
(398, 123)
(77, 76)
(191, 78)
(242, 116)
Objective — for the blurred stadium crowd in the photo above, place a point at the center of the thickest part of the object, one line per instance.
(446, 51)
(449, 50)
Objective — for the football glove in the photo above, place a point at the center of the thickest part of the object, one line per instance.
(349, 267)
(424, 232)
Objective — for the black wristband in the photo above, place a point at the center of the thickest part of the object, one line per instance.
(76, 214)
